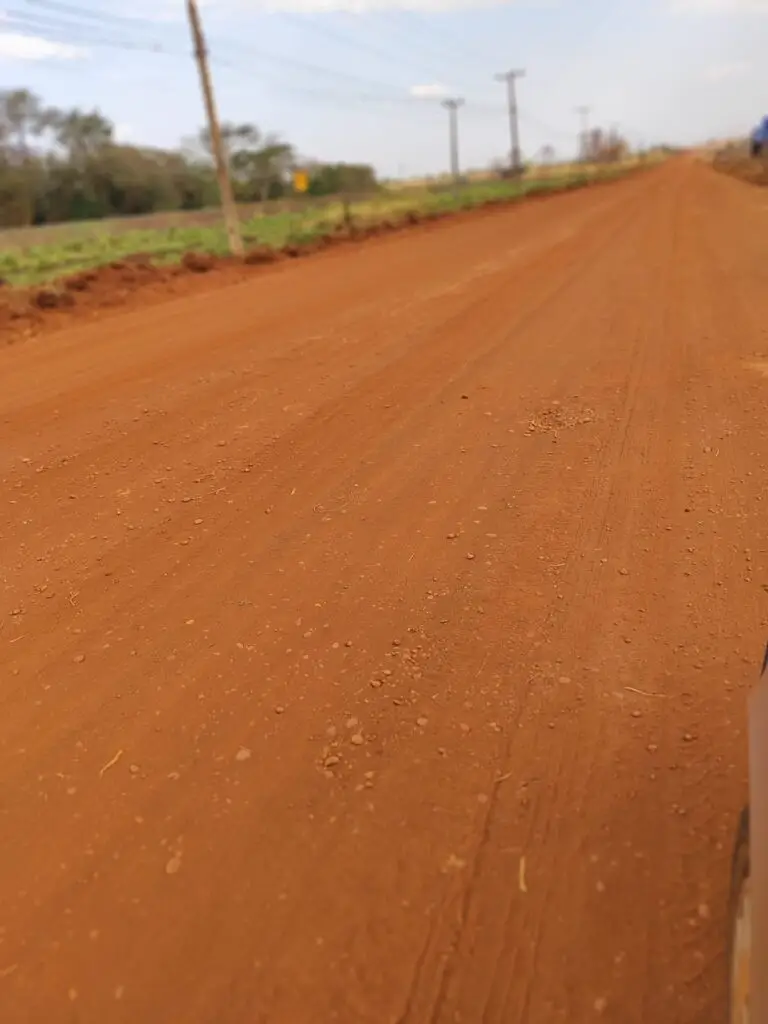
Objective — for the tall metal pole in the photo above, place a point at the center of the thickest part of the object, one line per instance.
(228, 207)
(452, 107)
(510, 77)
(584, 146)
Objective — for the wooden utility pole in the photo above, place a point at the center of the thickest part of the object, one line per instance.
(228, 207)
(452, 106)
(510, 77)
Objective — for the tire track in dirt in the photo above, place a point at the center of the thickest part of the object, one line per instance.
(417, 368)
(599, 491)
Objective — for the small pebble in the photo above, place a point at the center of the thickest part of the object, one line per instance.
(173, 865)
(422, 722)
(79, 659)
(356, 740)
(243, 754)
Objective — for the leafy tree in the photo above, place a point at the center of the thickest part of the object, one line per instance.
(58, 165)
(342, 179)
(81, 135)
(21, 118)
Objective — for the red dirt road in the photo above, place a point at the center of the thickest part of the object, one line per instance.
(375, 634)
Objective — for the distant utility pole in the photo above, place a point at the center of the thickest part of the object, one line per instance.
(583, 113)
(452, 106)
(231, 219)
(510, 77)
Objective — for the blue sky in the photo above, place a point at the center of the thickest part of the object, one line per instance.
(337, 77)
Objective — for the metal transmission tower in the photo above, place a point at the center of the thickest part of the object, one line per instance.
(510, 77)
(452, 106)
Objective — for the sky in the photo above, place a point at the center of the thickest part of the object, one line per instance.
(362, 80)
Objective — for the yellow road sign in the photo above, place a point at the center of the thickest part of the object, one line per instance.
(300, 181)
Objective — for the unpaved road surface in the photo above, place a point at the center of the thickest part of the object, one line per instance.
(375, 635)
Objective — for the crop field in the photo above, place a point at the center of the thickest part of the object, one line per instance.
(35, 255)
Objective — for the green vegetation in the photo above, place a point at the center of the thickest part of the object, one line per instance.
(66, 165)
(71, 248)
(72, 198)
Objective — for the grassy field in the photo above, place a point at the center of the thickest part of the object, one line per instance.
(31, 256)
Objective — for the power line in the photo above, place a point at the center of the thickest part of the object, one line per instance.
(76, 24)
(78, 34)
(238, 61)
(347, 40)
(215, 44)
(89, 12)
(74, 34)
(444, 39)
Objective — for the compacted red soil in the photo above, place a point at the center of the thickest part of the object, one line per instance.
(375, 632)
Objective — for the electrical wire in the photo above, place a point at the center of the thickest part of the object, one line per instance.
(311, 23)
(227, 55)
(220, 45)
(79, 35)
(88, 12)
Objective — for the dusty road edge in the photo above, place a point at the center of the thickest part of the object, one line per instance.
(29, 313)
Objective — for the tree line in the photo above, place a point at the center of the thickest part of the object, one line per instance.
(63, 165)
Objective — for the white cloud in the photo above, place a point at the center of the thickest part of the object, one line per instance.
(429, 91)
(722, 72)
(17, 46)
